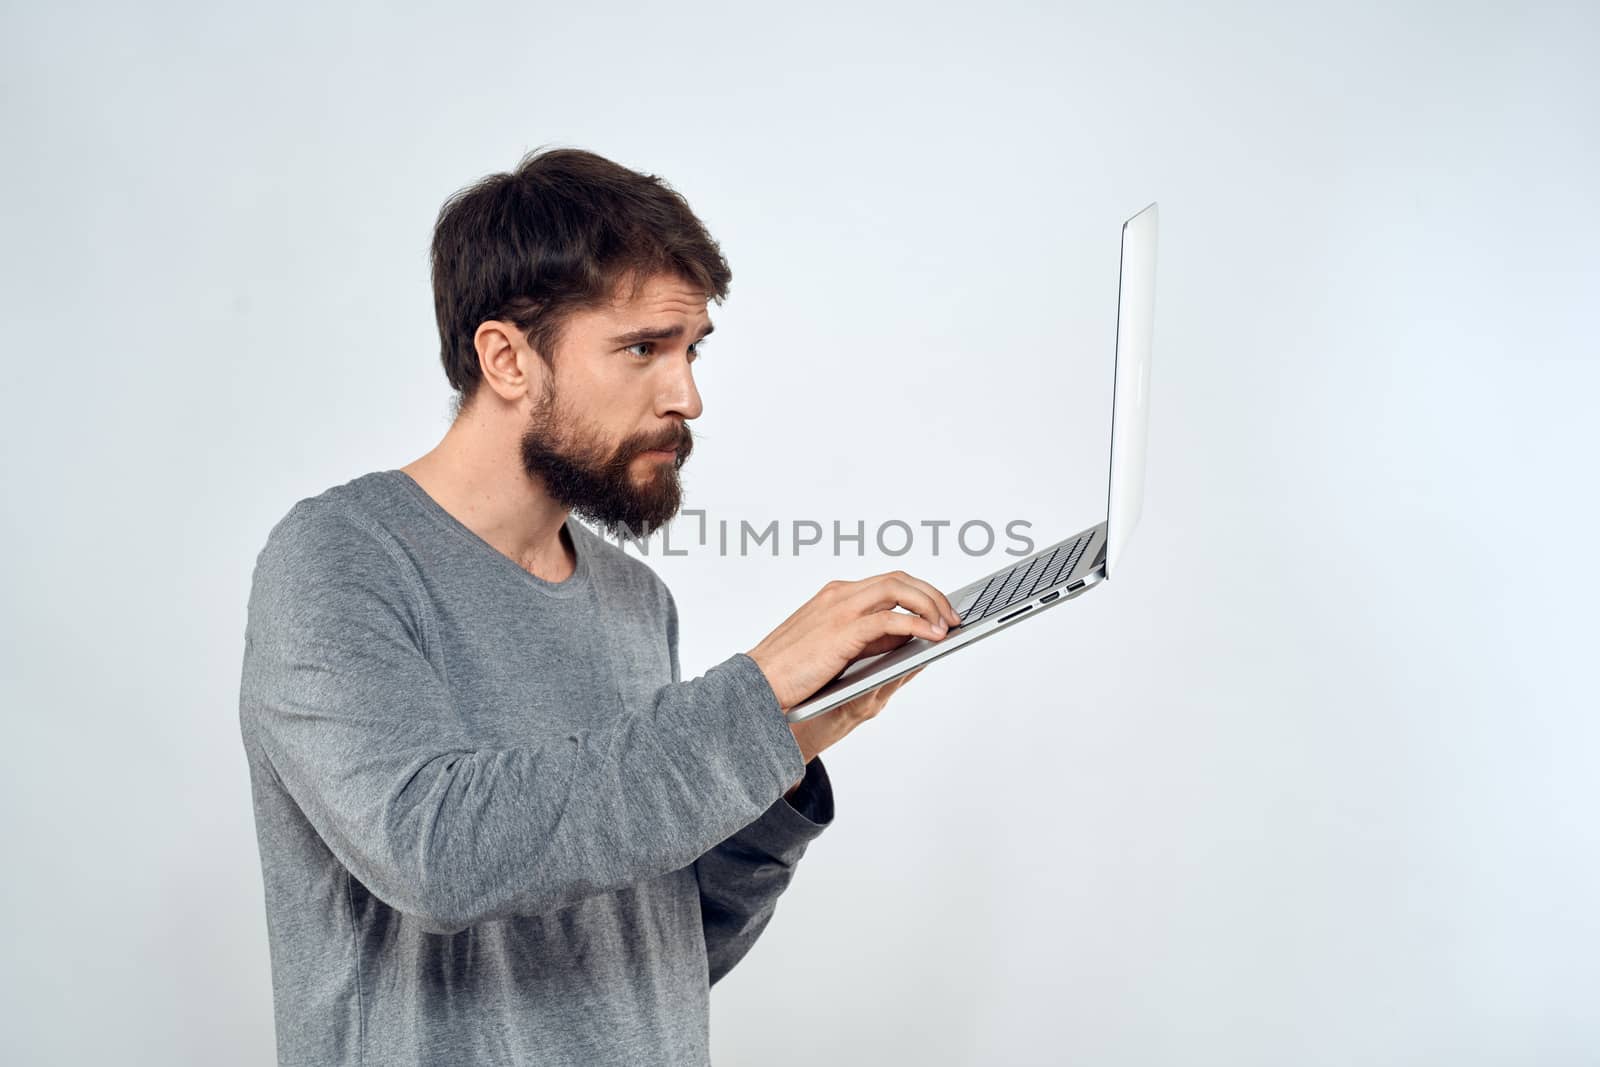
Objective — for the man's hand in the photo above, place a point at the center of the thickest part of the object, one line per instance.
(820, 731)
(845, 622)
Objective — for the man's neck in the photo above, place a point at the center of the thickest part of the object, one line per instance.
(485, 488)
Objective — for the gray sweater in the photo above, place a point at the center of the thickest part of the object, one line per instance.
(496, 827)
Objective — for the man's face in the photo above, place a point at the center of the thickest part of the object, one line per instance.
(626, 389)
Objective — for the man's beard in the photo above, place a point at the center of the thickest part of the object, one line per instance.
(600, 486)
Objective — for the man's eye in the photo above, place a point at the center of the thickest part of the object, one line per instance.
(647, 346)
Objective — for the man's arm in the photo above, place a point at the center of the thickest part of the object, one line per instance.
(339, 697)
(742, 878)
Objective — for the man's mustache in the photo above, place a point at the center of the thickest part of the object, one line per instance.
(681, 443)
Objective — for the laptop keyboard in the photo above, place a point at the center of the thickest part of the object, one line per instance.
(1022, 581)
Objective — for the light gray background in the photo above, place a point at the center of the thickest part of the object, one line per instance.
(1324, 788)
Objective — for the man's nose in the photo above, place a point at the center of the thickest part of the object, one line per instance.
(678, 394)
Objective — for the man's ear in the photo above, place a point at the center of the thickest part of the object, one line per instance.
(507, 364)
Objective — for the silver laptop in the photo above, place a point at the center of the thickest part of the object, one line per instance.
(1054, 575)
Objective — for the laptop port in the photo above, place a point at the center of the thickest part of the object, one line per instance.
(1049, 597)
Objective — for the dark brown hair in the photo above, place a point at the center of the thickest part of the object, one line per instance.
(563, 232)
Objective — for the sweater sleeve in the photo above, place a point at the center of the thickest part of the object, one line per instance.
(355, 720)
(742, 878)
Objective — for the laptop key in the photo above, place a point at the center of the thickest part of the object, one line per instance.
(1025, 582)
(1012, 579)
(982, 603)
(1064, 565)
(1048, 578)
(1050, 563)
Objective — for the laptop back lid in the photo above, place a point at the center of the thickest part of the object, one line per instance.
(1130, 397)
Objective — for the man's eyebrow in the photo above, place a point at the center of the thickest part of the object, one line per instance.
(656, 333)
